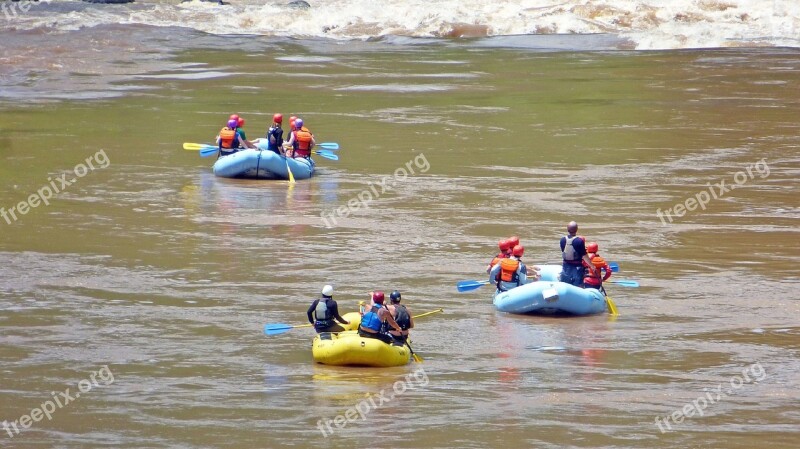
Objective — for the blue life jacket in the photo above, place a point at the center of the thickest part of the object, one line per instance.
(371, 320)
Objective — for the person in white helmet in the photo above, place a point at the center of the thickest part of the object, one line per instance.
(324, 311)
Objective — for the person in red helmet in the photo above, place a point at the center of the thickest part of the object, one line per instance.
(511, 272)
(513, 241)
(505, 251)
(301, 140)
(374, 321)
(275, 135)
(593, 279)
(240, 130)
(575, 259)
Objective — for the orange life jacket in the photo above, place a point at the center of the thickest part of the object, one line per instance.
(228, 138)
(303, 138)
(508, 270)
(497, 259)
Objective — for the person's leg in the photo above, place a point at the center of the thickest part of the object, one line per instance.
(335, 328)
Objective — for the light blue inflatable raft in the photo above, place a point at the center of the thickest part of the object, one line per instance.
(262, 164)
(548, 296)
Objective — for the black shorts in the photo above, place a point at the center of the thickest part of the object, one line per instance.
(386, 338)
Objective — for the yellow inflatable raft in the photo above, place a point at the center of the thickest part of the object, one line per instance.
(349, 349)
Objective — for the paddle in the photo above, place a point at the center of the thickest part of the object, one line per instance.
(327, 154)
(275, 329)
(333, 146)
(624, 283)
(468, 286)
(612, 308)
(291, 176)
(614, 267)
(279, 328)
(417, 358)
(210, 150)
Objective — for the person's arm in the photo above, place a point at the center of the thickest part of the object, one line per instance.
(410, 318)
(390, 319)
(493, 273)
(335, 311)
(313, 142)
(522, 273)
(608, 271)
(311, 310)
(245, 143)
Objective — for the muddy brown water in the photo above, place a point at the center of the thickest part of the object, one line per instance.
(152, 267)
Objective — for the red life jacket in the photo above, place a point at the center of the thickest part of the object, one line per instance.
(594, 278)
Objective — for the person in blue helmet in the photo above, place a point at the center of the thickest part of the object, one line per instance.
(573, 251)
(374, 321)
(324, 311)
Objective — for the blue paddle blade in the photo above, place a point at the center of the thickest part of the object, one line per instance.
(208, 151)
(329, 145)
(614, 267)
(327, 155)
(275, 329)
(466, 286)
(625, 283)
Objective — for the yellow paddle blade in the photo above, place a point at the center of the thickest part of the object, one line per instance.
(612, 308)
(417, 358)
(291, 176)
(193, 146)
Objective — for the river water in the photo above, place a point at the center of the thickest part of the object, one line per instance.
(152, 277)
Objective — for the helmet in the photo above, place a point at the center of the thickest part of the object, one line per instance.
(513, 241)
(277, 118)
(292, 120)
(377, 297)
(504, 245)
(572, 227)
(327, 290)
(232, 124)
(241, 122)
(591, 247)
(298, 123)
(518, 251)
(234, 117)
(395, 296)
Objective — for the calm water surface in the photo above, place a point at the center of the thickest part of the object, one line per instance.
(167, 275)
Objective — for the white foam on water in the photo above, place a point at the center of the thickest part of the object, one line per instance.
(647, 24)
